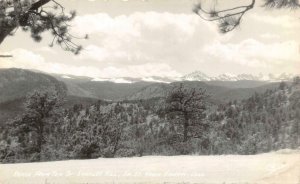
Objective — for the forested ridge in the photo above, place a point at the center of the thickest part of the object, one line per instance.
(183, 122)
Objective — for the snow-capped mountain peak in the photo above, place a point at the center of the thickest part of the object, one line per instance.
(196, 76)
(200, 76)
(226, 77)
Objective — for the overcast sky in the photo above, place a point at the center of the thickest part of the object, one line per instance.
(140, 38)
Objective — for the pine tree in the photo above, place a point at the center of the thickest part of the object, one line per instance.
(31, 128)
(31, 15)
(187, 105)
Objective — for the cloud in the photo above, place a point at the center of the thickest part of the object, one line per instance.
(252, 53)
(46, 50)
(143, 28)
(134, 23)
(28, 60)
(285, 21)
(22, 59)
(144, 37)
(144, 44)
(138, 45)
(270, 36)
(94, 52)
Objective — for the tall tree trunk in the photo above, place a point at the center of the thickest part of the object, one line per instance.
(116, 145)
(185, 128)
(40, 139)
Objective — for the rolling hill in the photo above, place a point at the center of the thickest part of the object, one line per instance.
(220, 90)
(17, 83)
(219, 93)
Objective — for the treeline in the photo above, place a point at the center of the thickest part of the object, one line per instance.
(184, 122)
(264, 122)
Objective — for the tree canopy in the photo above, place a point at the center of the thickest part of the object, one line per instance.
(36, 17)
(189, 104)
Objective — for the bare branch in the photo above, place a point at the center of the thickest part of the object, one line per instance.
(6, 56)
(228, 19)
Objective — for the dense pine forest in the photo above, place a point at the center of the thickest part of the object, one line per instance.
(185, 121)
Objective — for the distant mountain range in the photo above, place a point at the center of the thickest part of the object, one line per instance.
(200, 76)
(15, 84)
(136, 89)
(194, 76)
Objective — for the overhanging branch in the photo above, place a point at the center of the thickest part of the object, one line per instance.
(228, 19)
(6, 56)
(34, 18)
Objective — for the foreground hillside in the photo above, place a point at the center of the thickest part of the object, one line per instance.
(53, 126)
(185, 122)
(276, 168)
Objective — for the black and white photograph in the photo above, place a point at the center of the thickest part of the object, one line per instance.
(149, 92)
